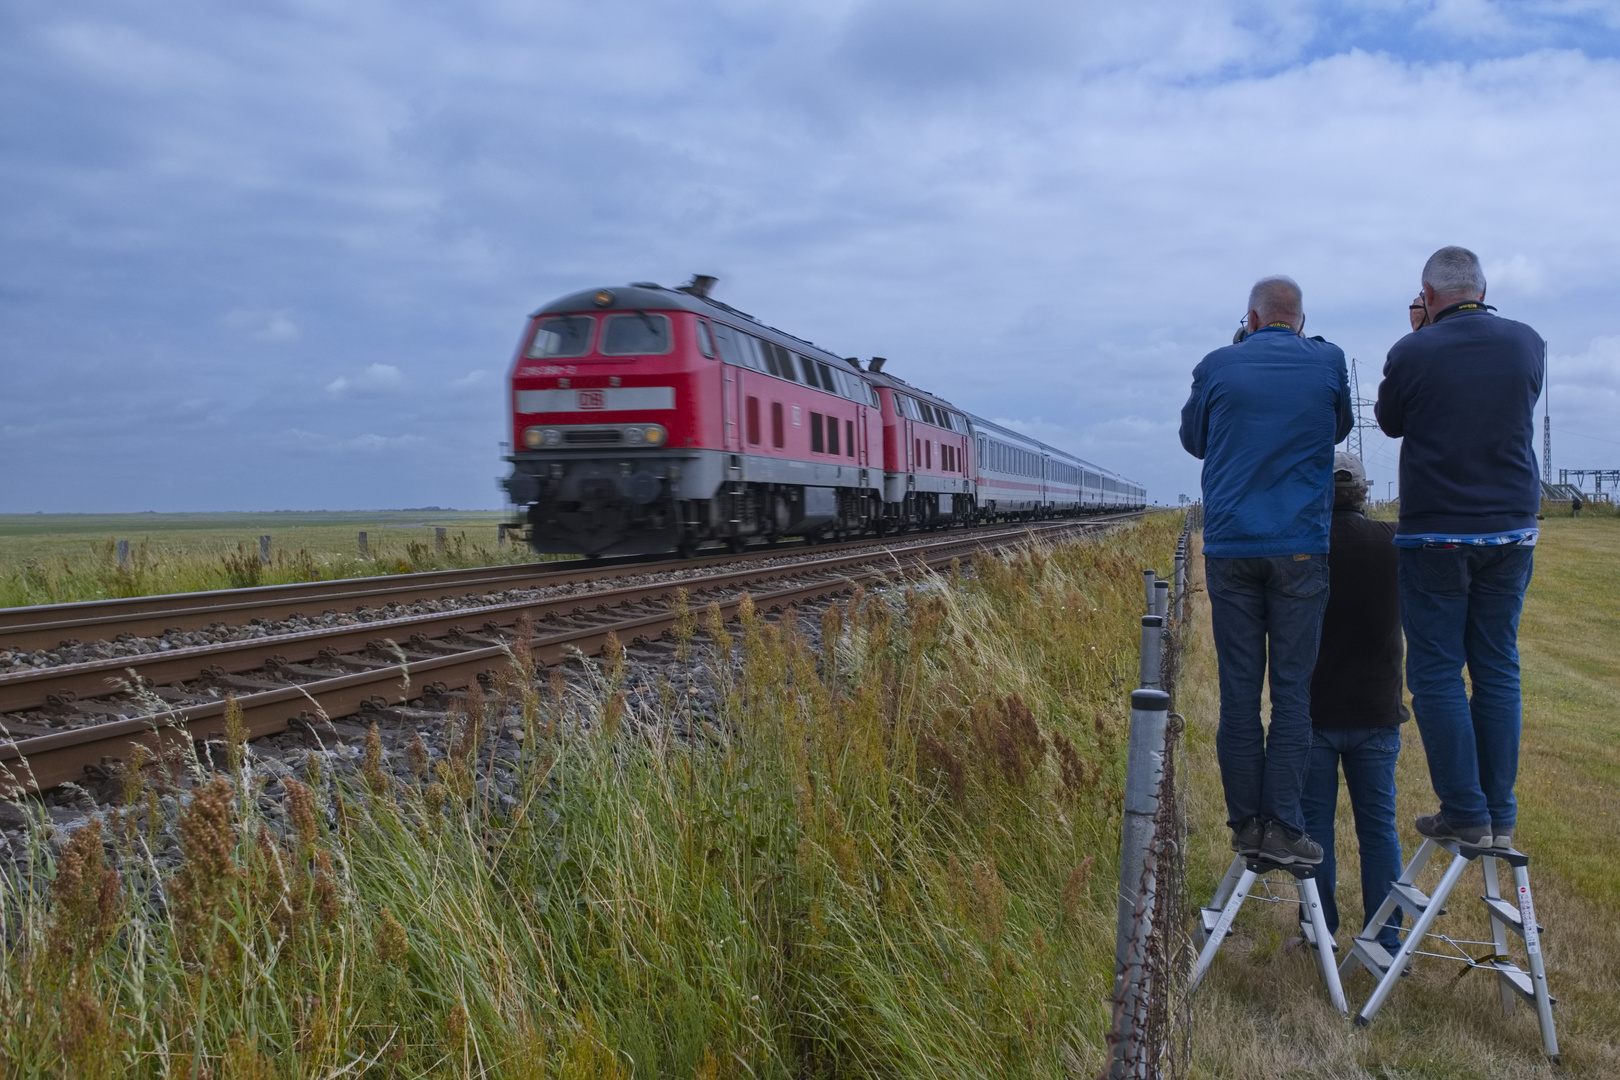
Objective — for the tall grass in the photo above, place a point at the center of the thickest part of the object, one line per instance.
(891, 856)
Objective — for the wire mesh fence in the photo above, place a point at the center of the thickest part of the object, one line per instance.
(1151, 1033)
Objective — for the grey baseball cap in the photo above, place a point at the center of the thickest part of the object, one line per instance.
(1347, 469)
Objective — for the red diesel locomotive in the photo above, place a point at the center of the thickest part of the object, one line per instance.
(648, 419)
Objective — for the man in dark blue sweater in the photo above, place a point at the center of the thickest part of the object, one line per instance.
(1264, 415)
(1461, 389)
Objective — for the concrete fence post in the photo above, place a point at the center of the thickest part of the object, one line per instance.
(500, 536)
(1161, 598)
(1147, 588)
(1144, 771)
(1152, 653)
(264, 550)
(123, 554)
(438, 540)
(364, 545)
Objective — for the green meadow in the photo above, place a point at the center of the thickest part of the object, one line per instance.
(57, 558)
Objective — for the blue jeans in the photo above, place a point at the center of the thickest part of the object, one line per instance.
(1368, 756)
(1460, 606)
(1266, 613)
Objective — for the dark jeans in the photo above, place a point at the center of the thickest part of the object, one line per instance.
(1368, 757)
(1266, 613)
(1460, 606)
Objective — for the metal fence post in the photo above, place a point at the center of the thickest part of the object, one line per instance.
(438, 540)
(264, 550)
(365, 546)
(1144, 770)
(500, 536)
(1147, 588)
(1181, 578)
(1152, 676)
(123, 554)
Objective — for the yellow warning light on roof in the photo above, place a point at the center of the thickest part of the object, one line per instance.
(603, 298)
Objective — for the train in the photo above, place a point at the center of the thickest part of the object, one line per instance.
(648, 419)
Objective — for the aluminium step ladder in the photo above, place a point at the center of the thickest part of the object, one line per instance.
(1215, 921)
(1517, 914)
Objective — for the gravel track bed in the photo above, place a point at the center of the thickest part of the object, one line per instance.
(130, 645)
(662, 692)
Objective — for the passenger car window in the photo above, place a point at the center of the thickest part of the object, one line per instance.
(562, 335)
(635, 334)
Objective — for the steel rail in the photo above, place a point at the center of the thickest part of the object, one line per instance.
(35, 687)
(47, 626)
(46, 761)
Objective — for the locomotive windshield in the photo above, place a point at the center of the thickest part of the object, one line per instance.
(639, 334)
(562, 335)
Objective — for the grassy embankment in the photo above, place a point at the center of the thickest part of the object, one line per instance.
(57, 558)
(897, 859)
(1261, 1011)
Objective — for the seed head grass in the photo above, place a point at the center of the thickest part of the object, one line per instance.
(889, 854)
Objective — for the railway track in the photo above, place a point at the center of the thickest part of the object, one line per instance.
(67, 720)
(49, 625)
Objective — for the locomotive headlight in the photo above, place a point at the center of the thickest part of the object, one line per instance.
(633, 435)
(655, 435)
(532, 438)
(551, 436)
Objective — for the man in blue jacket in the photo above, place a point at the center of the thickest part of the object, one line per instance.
(1461, 389)
(1264, 414)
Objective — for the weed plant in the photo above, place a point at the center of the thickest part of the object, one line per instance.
(893, 855)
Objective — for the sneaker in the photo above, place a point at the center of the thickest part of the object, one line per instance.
(1284, 847)
(1435, 827)
(1247, 836)
(1502, 839)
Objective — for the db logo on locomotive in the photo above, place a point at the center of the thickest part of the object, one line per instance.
(592, 399)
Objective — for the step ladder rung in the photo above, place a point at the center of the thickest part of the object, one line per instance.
(1503, 911)
(1517, 978)
(1210, 916)
(1308, 932)
(1373, 955)
(1413, 899)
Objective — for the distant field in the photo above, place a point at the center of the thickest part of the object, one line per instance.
(55, 558)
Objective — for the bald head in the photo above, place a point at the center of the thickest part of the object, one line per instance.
(1276, 299)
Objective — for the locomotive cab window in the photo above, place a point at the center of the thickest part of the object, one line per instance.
(705, 342)
(562, 335)
(636, 334)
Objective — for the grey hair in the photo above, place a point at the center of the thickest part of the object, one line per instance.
(1454, 271)
(1277, 299)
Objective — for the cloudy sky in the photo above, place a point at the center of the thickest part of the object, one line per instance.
(278, 254)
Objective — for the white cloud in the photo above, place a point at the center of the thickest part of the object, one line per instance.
(374, 380)
(270, 326)
(476, 377)
(1515, 274)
